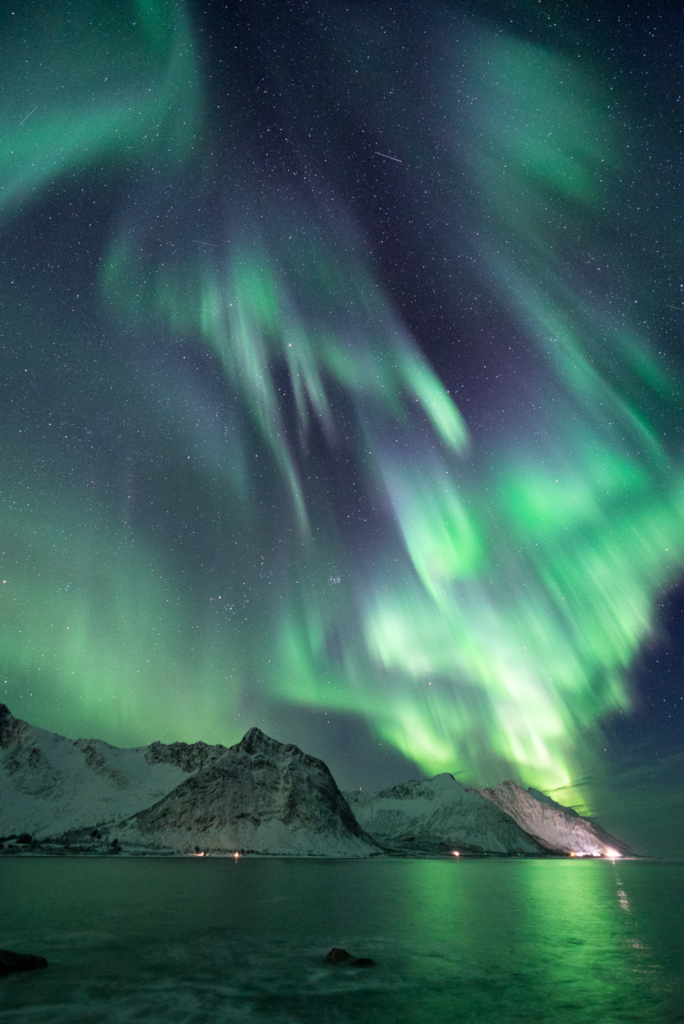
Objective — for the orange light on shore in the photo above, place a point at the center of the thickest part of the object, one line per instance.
(236, 855)
(613, 854)
(455, 853)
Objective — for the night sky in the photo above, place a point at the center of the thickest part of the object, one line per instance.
(341, 386)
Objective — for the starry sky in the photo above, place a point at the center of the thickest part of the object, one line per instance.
(341, 386)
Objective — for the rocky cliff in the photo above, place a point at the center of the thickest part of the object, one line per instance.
(558, 828)
(261, 797)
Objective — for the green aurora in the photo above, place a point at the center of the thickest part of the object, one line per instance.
(234, 481)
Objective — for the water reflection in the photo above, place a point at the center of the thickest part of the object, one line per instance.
(624, 902)
(476, 942)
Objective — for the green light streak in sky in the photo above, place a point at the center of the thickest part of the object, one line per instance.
(95, 627)
(107, 88)
(490, 623)
(255, 322)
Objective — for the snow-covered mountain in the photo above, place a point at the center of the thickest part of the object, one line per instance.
(50, 784)
(262, 796)
(439, 815)
(259, 796)
(558, 828)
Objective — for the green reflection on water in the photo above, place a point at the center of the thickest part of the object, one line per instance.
(472, 941)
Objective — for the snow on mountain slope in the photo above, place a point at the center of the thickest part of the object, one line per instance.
(439, 814)
(263, 797)
(558, 828)
(50, 784)
(260, 796)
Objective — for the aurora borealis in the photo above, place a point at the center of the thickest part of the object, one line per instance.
(297, 435)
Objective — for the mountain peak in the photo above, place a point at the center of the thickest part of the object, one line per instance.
(10, 727)
(255, 741)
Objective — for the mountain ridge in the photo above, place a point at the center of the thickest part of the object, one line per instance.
(558, 828)
(261, 797)
(440, 815)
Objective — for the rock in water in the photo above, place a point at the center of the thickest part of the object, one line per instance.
(338, 956)
(341, 956)
(261, 797)
(11, 962)
(558, 828)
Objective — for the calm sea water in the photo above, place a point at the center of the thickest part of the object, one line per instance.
(473, 941)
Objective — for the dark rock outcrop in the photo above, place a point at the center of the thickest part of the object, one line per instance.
(12, 962)
(338, 957)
